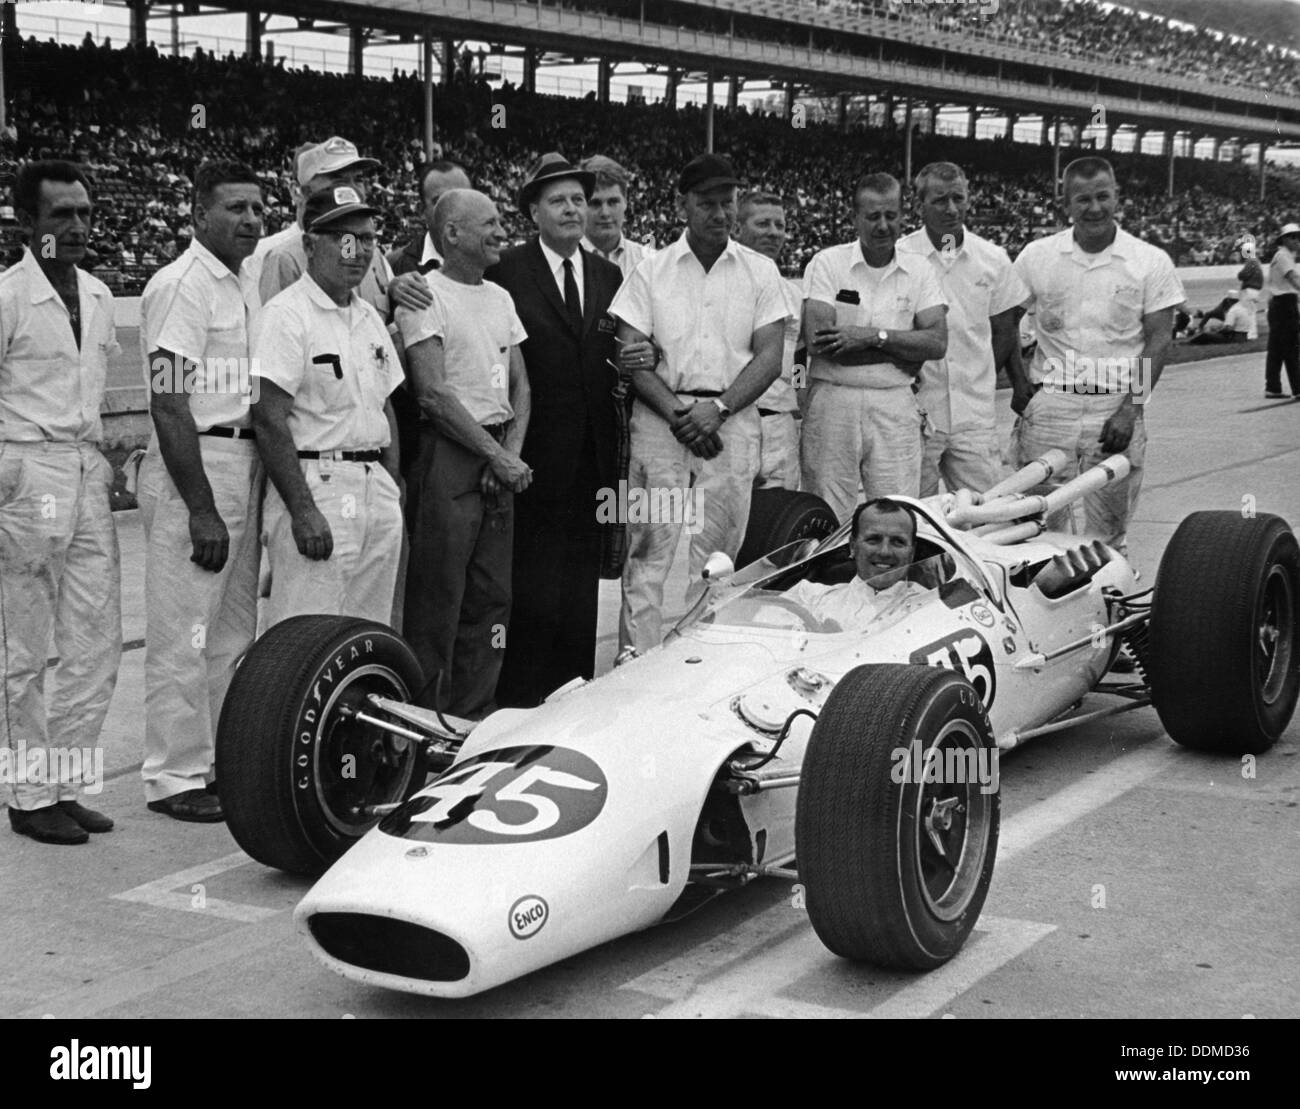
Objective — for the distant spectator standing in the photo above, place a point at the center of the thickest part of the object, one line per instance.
(326, 368)
(1103, 306)
(469, 378)
(200, 491)
(60, 582)
(760, 225)
(1283, 315)
(607, 211)
(984, 297)
(872, 316)
(701, 324)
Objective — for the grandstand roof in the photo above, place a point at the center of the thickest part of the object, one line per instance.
(1039, 81)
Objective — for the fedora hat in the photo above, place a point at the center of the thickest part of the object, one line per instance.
(552, 166)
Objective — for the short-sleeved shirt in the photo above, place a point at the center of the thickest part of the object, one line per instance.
(251, 271)
(51, 390)
(478, 325)
(285, 263)
(780, 395)
(957, 391)
(626, 256)
(1283, 263)
(336, 361)
(704, 322)
(889, 297)
(195, 308)
(1088, 308)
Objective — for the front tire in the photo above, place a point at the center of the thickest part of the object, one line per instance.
(896, 868)
(1225, 660)
(295, 771)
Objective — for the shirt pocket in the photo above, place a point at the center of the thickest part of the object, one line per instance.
(1124, 310)
(1053, 311)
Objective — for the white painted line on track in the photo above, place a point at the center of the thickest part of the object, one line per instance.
(173, 891)
(1031, 826)
(136, 982)
(1003, 941)
(743, 969)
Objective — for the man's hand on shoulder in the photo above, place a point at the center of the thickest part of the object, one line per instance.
(410, 290)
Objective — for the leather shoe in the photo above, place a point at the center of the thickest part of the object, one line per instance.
(195, 805)
(48, 825)
(212, 788)
(89, 819)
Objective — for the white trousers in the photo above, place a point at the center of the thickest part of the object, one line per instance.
(1072, 422)
(860, 437)
(60, 589)
(778, 466)
(966, 459)
(718, 491)
(361, 504)
(197, 623)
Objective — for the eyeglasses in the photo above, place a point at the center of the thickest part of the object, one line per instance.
(367, 241)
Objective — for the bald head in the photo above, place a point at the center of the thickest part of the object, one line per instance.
(467, 227)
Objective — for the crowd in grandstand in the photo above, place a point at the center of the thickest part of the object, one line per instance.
(141, 151)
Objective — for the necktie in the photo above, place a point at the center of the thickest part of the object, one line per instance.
(571, 302)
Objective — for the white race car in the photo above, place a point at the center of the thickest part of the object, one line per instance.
(755, 734)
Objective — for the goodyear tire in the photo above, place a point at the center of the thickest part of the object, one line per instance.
(295, 772)
(780, 516)
(895, 869)
(1224, 658)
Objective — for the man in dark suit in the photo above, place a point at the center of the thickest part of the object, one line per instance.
(562, 295)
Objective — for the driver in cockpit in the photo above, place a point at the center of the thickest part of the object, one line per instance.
(883, 545)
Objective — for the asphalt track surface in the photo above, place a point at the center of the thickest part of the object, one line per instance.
(1134, 878)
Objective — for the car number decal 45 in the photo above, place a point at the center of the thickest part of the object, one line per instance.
(511, 795)
(966, 652)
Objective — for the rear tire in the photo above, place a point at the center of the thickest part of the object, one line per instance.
(896, 869)
(781, 516)
(1224, 660)
(294, 771)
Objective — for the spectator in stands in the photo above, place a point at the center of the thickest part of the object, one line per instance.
(873, 315)
(468, 372)
(200, 491)
(701, 324)
(1283, 316)
(59, 567)
(606, 214)
(1099, 296)
(326, 368)
(984, 297)
(760, 225)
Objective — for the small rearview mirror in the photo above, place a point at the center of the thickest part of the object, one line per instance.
(717, 565)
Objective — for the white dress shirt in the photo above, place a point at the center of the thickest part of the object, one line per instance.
(556, 262)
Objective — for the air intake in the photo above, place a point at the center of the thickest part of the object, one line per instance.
(389, 946)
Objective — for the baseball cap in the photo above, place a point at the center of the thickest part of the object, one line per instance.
(330, 156)
(333, 204)
(708, 171)
(1232, 294)
(1289, 229)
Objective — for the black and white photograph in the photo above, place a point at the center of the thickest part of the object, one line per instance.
(650, 509)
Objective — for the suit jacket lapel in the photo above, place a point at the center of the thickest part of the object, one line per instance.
(588, 293)
(546, 282)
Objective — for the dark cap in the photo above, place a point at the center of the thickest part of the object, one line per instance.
(552, 166)
(329, 205)
(708, 171)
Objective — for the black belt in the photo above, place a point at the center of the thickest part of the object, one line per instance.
(497, 431)
(344, 456)
(773, 412)
(706, 393)
(230, 432)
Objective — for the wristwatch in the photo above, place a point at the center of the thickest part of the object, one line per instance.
(723, 410)
(882, 337)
